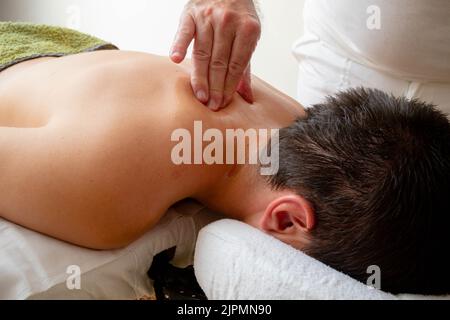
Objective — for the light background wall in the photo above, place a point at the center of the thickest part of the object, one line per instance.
(149, 25)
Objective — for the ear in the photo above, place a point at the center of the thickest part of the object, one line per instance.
(288, 218)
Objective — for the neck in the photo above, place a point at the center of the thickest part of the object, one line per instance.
(242, 194)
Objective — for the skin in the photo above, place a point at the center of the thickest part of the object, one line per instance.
(225, 34)
(85, 150)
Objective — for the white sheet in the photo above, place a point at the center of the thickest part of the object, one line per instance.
(35, 266)
(236, 261)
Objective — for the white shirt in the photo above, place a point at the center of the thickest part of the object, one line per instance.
(412, 41)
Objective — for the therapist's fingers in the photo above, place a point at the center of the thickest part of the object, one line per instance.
(218, 67)
(245, 86)
(183, 38)
(238, 68)
(201, 56)
(227, 19)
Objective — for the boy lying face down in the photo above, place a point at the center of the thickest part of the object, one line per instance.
(87, 145)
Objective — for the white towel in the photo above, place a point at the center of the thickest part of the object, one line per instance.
(236, 261)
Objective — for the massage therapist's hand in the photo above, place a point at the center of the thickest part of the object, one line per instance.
(226, 33)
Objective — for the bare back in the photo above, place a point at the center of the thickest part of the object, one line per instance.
(86, 143)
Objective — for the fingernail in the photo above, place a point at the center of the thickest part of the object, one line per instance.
(214, 104)
(175, 55)
(201, 95)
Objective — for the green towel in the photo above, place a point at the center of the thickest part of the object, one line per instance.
(24, 41)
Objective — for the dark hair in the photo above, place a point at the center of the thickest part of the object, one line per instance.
(376, 168)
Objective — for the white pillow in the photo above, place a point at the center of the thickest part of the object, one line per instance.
(236, 261)
(34, 266)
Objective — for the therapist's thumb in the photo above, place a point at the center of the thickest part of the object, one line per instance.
(245, 86)
(183, 38)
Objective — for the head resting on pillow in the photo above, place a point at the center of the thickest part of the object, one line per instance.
(368, 181)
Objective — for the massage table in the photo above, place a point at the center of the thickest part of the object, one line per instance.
(34, 266)
(231, 261)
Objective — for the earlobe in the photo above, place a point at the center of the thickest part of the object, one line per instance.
(288, 214)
